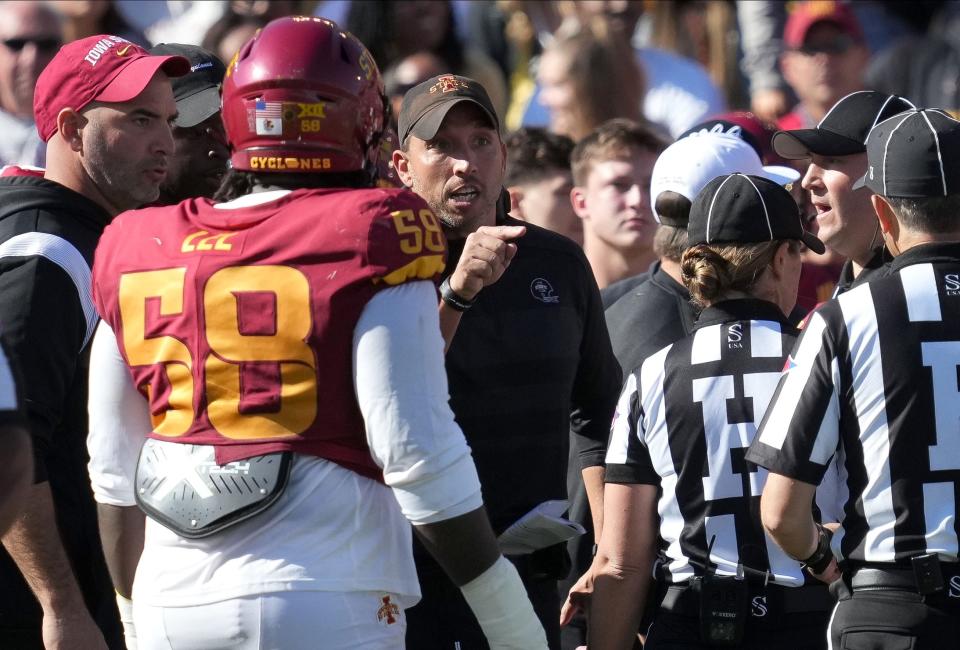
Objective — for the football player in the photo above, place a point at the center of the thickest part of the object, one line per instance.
(287, 375)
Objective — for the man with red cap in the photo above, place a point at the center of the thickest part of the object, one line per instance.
(825, 59)
(103, 106)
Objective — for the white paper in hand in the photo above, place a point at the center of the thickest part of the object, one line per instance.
(543, 526)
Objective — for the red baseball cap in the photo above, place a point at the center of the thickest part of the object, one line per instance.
(97, 68)
(811, 12)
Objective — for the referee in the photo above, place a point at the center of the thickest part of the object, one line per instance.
(874, 381)
(677, 445)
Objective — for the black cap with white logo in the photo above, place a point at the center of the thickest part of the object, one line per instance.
(843, 130)
(742, 209)
(197, 93)
(914, 154)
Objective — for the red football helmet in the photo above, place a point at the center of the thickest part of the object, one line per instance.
(303, 95)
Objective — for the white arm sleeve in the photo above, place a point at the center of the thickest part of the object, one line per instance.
(119, 422)
(401, 385)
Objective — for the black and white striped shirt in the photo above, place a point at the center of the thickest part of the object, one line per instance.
(874, 381)
(684, 422)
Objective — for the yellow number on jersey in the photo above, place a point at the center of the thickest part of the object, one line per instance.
(418, 231)
(228, 348)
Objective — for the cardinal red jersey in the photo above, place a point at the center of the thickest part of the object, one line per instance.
(237, 324)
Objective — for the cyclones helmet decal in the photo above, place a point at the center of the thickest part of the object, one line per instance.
(303, 95)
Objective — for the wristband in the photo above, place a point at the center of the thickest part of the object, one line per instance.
(820, 559)
(125, 607)
(452, 298)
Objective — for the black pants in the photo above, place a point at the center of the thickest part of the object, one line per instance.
(805, 631)
(442, 620)
(892, 619)
(777, 618)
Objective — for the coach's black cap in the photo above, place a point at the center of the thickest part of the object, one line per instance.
(843, 130)
(426, 104)
(742, 209)
(914, 154)
(197, 93)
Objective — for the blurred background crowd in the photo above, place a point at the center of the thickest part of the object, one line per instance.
(556, 70)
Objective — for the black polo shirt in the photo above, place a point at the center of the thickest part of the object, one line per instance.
(531, 358)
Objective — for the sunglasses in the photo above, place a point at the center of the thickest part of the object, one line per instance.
(839, 45)
(42, 44)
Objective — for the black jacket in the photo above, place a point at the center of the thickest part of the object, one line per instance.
(47, 326)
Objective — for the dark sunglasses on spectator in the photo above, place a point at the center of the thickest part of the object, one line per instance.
(42, 44)
(839, 45)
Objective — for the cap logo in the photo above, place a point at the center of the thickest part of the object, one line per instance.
(201, 66)
(447, 83)
(819, 8)
(123, 50)
(103, 46)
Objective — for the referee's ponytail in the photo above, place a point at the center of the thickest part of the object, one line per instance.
(712, 273)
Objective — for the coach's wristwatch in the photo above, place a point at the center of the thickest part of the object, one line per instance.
(820, 559)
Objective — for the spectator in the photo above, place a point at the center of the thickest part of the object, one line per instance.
(761, 30)
(395, 30)
(108, 139)
(84, 18)
(825, 59)
(539, 180)
(705, 32)
(679, 92)
(761, 39)
(529, 349)
(242, 19)
(183, 21)
(199, 159)
(576, 75)
(611, 195)
(227, 36)
(408, 72)
(30, 34)
(924, 67)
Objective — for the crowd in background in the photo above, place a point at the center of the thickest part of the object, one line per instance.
(564, 66)
(589, 94)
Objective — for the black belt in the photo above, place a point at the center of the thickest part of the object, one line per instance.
(875, 578)
(684, 600)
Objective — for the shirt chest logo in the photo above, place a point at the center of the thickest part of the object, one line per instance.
(952, 284)
(542, 290)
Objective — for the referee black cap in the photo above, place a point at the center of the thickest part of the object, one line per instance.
(914, 154)
(844, 129)
(742, 209)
